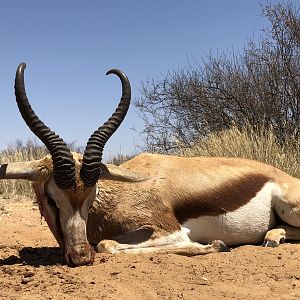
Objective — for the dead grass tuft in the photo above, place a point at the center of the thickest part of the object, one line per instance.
(18, 152)
(254, 143)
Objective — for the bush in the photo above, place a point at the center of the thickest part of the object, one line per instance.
(259, 86)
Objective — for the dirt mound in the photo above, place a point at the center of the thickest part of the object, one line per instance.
(31, 267)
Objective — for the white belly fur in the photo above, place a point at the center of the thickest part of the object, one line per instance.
(246, 225)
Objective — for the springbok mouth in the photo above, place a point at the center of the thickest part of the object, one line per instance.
(80, 256)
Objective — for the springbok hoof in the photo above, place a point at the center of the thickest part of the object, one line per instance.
(274, 237)
(272, 243)
(220, 246)
(107, 246)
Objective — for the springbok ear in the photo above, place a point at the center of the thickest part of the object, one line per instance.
(30, 170)
(112, 172)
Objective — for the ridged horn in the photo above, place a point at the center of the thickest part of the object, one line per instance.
(91, 165)
(63, 162)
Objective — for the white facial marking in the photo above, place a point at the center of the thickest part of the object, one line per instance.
(72, 219)
(246, 225)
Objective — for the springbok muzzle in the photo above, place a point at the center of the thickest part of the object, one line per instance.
(80, 255)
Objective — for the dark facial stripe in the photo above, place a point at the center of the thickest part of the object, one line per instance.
(224, 198)
(57, 231)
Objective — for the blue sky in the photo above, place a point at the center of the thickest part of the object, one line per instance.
(69, 45)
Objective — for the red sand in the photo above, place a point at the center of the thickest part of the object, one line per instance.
(31, 268)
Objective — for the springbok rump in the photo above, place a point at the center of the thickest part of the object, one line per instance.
(152, 203)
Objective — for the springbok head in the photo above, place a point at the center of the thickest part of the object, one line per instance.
(65, 182)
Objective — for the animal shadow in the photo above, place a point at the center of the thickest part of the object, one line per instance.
(43, 256)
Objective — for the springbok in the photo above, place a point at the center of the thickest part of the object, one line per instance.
(152, 203)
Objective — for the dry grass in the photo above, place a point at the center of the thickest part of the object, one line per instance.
(119, 158)
(18, 152)
(259, 144)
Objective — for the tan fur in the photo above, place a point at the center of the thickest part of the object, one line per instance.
(181, 188)
(147, 199)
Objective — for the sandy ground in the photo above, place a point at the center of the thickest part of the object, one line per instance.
(31, 267)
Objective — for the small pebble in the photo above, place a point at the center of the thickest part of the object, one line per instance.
(28, 274)
(26, 280)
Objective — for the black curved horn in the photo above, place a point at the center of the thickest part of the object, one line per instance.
(63, 162)
(91, 165)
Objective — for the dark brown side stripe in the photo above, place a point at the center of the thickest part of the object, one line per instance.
(224, 198)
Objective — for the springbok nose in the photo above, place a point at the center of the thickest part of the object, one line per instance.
(80, 255)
